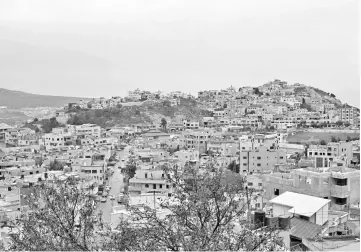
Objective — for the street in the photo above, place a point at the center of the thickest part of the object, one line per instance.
(116, 183)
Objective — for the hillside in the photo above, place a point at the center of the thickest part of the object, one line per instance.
(17, 99)
(146, 113)
(12, 116)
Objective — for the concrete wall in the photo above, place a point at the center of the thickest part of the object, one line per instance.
(334, 131)
(281, 210)
(322, 215)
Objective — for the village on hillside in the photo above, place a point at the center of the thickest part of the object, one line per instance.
(296, 148)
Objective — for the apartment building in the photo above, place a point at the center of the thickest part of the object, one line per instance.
(348, 115)
(85, 129)
(149, 180)
(341, 185)
(223, 147)
(325, 154)
(261, 160)
(195, 139)
(190, 125)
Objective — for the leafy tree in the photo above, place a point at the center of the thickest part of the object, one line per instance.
(348, 139)
(332, 95)
(60, 218)
(233, 166)
(323, 142)
(56, 165)
(89, 105)
(39, 161)
(303, 101)
(347, 124)
(164, 123)
(339, 123)
(48, 125)
(206, 213)
(35, 120)
(306, 106)
(333, 139)
(119, 106)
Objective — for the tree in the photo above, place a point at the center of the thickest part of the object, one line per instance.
(204, 211)
(56, 166)
(39, 161)
(119, 106)
(349, 139)
(35, 120)
(164, 123)
(333, 139)
(89, 105)
(332, 95)
(303, 101)
(347, 124)
(60, 217)
(323, 142)
(339, 123)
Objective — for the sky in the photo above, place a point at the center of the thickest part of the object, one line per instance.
(105, 48)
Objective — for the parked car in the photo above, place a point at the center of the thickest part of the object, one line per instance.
(103, 199)
(111, 197)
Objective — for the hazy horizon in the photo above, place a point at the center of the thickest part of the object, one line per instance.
(106, 48)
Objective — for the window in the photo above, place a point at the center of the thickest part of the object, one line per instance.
(160, 186)
(146, 185)
(167, 186)
(258, 164)
(94, 171)
(259, 184)
(244, 157)
(281, 157)
(146, 175)
(258, 158)
(250, 183)
(276, 191)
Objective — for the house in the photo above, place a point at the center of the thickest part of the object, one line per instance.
(149, 180)
(324, 154)
(290, 204)
(339, 184)
(156, 134)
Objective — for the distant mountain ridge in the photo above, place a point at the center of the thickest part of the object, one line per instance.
(18, 99)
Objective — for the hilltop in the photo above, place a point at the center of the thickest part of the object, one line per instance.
(145, 113)
(17, 99)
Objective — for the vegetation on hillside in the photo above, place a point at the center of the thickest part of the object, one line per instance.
(128, 115)
(47, 125)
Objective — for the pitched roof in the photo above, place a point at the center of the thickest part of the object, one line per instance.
(301, 204)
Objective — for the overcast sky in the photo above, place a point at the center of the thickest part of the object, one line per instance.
(106, 48)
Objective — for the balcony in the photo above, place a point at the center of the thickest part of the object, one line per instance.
(338, 175)
(340, 191)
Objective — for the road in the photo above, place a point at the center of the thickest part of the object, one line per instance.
(116, 183)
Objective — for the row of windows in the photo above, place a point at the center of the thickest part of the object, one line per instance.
(155, 186)
(251, 184)
(259, 158)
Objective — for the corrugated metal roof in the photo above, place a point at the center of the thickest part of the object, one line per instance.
(304, 229)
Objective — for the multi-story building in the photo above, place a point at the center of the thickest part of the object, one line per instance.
(85, 129)
(324, 154)
(261, 160)
(348, 115)
(339, 184)
(149, 180)
(190, 125)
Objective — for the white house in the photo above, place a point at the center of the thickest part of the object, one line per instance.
(312, 209)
